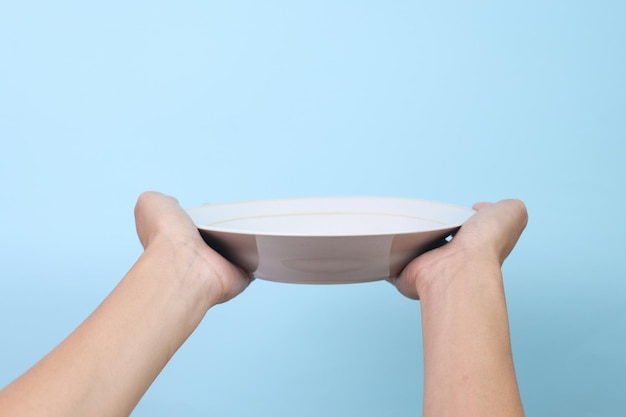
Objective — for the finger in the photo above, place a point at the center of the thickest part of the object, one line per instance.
(499, 224)
(481, 205)
(517, 215)
(153, 212)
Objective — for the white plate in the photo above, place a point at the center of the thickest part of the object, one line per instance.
(326, 240)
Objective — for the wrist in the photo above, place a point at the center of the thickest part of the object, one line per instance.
(204, 272)
(461, 269)
(186, 270)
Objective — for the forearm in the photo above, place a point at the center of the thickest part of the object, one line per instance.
(468, 361)
(105, 366)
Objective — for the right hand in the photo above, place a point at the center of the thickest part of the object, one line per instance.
(487, 238)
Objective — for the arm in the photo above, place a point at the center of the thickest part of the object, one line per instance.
(468, 364)
(105, 366)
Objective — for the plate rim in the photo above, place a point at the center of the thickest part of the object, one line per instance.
(443, 227)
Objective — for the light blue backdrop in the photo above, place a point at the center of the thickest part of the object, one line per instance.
(219, 101)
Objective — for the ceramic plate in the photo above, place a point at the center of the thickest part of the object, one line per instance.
(326, 240)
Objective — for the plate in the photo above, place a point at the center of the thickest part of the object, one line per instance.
(332, 240)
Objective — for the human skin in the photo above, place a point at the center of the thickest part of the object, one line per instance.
(468, 363)
(105, 366)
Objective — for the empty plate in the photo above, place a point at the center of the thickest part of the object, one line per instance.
(326, 240)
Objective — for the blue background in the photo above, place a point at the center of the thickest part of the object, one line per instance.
(219, 101)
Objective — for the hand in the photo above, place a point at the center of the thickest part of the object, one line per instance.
(468, 363)
(106, 365)
(162, 223)
(486, 238)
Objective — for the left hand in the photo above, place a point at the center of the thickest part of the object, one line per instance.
(161, 221)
